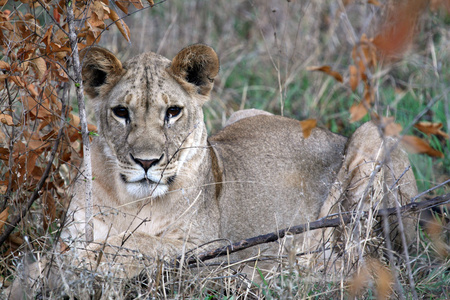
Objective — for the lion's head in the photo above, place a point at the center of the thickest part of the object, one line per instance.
(149, 112)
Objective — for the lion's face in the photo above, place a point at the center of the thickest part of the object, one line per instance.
(150, 114)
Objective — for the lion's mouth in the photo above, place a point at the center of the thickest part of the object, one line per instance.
(147, 181)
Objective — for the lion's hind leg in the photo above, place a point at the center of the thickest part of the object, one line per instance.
(375, 174)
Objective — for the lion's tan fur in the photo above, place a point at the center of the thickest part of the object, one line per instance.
(257, 175)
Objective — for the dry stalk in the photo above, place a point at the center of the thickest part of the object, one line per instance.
(87, 170)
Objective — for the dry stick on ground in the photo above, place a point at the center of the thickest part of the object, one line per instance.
(329, 221)
(87, 171)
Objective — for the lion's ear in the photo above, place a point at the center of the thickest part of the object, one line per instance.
(101, 70)
(196, 65)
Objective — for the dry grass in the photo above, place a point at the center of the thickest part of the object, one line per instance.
(264, 48)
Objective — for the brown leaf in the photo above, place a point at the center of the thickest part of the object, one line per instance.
(391, 128)
(99, 13)
(327, 70)
(74, 120)
(3, 218)
(6, 119)
(123, 6)
(374, 2)
(431, 128)
(63, 247)
(137, 4)
(354, 78)
(369, 94)
(358, 111)
(364, 55)
(307, 126)
(39, 66)
(414, 144)
(4, 65)
(123, 28)
(398, 30)
(151, 2)
(39, 110)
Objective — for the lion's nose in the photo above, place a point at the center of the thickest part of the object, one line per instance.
(145, 163)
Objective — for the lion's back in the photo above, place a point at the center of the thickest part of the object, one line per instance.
(272, 177)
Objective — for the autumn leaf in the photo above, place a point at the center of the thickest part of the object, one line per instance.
(431, 128)
(327, 70)
(397, 31)
(137, 4)
(3, 218)
(414, 144)
(307, 126)
(6, 119)
(4, 65)
(374, 2)
(354, 78)
(39, 66)
(123, 28)
(364, 55)
(388, 125)
(358, 111)
(123, 5)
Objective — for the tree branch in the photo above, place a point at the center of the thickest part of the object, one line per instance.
(87, 170)
(9, 227)
(334, 220)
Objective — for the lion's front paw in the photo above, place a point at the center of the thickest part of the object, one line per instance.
(112, 258)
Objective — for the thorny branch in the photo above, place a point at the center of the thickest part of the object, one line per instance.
(334, 220)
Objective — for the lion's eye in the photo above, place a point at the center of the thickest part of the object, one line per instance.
(173, 112)
(121, 112)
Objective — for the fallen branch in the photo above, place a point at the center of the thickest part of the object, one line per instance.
(329, 221)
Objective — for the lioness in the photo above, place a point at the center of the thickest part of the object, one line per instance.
(161, 186)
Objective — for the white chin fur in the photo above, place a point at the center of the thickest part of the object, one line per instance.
(139, 190)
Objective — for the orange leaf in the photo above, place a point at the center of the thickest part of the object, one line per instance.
(431, 128)
(369, 94)
(307, 126)
(137, 4)
(123, 5)
(123, 28)
(364, 55)
(389, 126)
(416, 145)
(374, 2)
(354, 78)
(327, 70)
(358, 111)
(3, 217)
(39, 66)
(6, 119)
(398, 29)
(4, 65)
